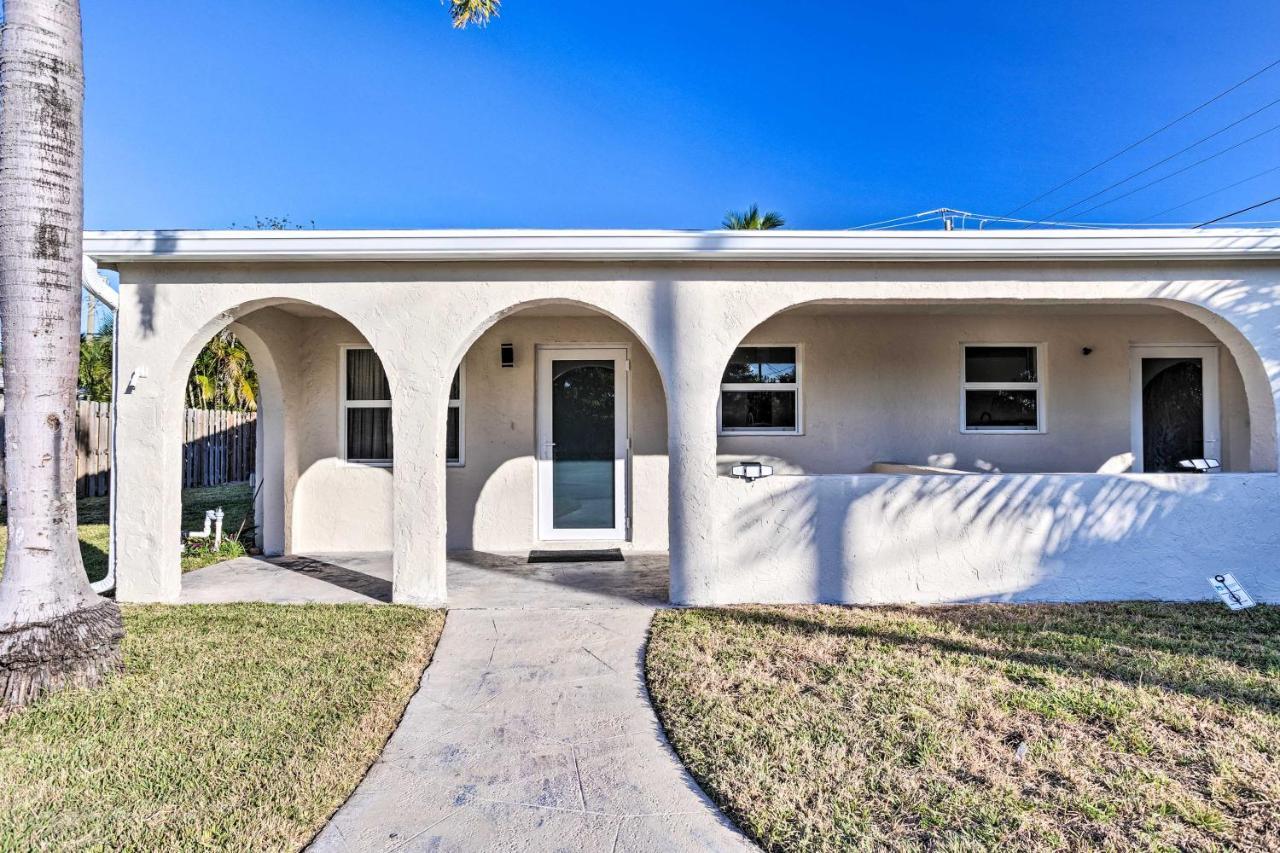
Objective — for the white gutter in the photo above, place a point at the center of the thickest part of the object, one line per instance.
(93, 282)
(119, 247)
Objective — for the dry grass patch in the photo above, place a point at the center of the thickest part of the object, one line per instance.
(234, 727)
(1099, 726)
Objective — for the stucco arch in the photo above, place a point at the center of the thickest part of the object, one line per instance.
(493, 498)
(270, 336)
(495, 315)
(1262, 393)
(220, 317)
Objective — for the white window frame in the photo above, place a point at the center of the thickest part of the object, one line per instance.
(1039, 386)
(344, 404)
(796, 386)
(460, 405)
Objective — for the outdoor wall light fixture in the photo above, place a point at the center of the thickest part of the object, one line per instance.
(751, 471)
(138, 374)
(508, 352)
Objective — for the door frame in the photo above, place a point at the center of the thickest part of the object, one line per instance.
(1208, 355)
(620, 354)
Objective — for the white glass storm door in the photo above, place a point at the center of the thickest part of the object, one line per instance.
(582, 443)
(1173, 406)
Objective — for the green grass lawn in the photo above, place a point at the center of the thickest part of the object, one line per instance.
(1103, 726)
(236, 500)
(235, 727)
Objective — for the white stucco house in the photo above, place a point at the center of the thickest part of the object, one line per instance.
(948, 416)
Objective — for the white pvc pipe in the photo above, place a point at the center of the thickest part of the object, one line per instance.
(97, 285)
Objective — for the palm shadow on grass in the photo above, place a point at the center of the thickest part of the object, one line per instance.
(1114, 641)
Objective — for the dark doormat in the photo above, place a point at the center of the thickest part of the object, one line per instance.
(605, 555)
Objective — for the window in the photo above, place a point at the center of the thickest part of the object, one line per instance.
(366, 411)
(455, 448)
(366, 408)
(760, 392)
(1001, 388)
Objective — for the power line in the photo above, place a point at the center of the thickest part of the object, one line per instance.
(941, 213)
(1211, 192)
(1240, 211)
(1151, 135)
(896, 219)
(1177, 172)
(1180, 151)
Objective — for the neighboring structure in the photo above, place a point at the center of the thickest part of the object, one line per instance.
(948, 416)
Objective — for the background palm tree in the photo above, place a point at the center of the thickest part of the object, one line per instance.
(223, 376)
(752, 220)
(55, 631)
(476, 12)
(95, 364)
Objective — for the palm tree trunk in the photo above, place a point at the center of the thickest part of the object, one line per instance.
(54, 631)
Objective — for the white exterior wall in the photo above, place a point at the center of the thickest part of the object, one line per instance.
(492, 498)
(336, 505)
(877, 539)
(422, 317)
(885, 387)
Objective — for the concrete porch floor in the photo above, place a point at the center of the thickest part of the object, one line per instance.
(475, 579)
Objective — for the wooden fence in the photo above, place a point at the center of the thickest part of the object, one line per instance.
(217, 447)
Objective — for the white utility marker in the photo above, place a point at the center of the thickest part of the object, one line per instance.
(1230, 591)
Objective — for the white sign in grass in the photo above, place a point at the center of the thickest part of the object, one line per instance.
(1230, 591)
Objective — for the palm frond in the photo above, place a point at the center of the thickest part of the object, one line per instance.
(204, 388)
(478, 12)
(752, 220)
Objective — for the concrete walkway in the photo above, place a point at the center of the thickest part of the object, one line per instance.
(532, 728)
(475, 579)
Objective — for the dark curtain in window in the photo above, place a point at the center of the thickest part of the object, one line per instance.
(366, 379)
(369, 434)
(368, 429)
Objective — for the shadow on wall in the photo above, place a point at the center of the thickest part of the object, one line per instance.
(1021, 537)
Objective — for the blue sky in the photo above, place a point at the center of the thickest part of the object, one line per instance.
(583, 113)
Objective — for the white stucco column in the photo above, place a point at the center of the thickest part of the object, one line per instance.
(693, 368)
(418, 490)
(146, 480)
(269, 507)
(692, 449)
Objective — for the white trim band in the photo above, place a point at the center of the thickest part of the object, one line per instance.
(117, 247)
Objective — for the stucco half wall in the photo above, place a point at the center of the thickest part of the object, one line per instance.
(879, 539)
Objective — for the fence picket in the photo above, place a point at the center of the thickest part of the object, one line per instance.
(218, 446)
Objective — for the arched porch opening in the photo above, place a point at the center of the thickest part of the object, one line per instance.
(556, 442)
(321, 491)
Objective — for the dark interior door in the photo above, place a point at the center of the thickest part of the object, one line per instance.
(1172, 412)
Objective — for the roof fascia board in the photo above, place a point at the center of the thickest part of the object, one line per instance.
(117, 247)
